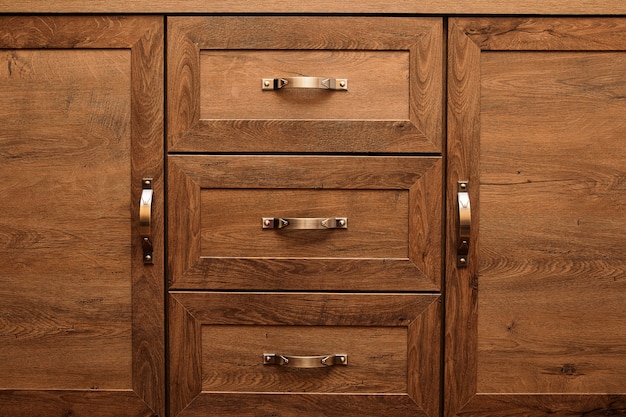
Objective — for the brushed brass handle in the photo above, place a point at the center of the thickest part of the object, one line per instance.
(319, 83)
(321, 361)
(145, 220)
(306, 223)
(465, 224)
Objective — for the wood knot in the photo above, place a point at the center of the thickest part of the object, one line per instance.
(568, 369)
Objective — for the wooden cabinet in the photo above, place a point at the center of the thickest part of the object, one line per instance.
(535, 322)
(81, 316)
(338, 245)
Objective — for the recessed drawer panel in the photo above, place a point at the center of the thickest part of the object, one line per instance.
(305, 223)
(376, 85)
(304, 84)
(236, 353)
(376, 223)
(374, 361)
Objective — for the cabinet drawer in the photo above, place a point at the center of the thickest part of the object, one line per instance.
(390, 239)
(391, 70)
(219, 344)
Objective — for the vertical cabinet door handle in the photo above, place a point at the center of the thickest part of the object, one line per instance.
(465, 224)
(145, 220)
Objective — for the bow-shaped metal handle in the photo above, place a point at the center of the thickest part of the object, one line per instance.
(306, 223)
(321, 361)
(465, 224)
(145, 220)
(318, 83)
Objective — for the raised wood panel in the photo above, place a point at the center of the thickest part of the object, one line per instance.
(217, 105)
(392, 342)
(573, 7)
(535, 126)
(81, 326)
(393, 240)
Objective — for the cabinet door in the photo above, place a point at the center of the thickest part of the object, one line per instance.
(535, 320)
(81, 316)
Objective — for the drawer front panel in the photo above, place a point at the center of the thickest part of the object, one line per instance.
(218, 342)
(391, 102)
(391, 240)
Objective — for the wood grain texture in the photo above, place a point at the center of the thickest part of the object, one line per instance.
(377, 223)
(299, 322)
(538, 134)
(564, 262)
(462, 156)
(292, 405)
(232, 359)
(528, 405)
(213, 114)
(378, 84)
(574, 7)
(39, 403)
(393, 241)
(423, 367)
(81, 319)
(148, 297)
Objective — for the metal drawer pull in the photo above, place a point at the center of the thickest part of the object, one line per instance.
(305, 361)
(319, 83)
(465, 224)
(145, 220)
(307, 223)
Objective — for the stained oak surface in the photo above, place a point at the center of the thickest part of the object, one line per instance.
(378, 84)
(393, 239)
(608, 7)
(556, 279)
(50, 165)
(81, 323)
(536, 127)
(218, 339)
(393, 67)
